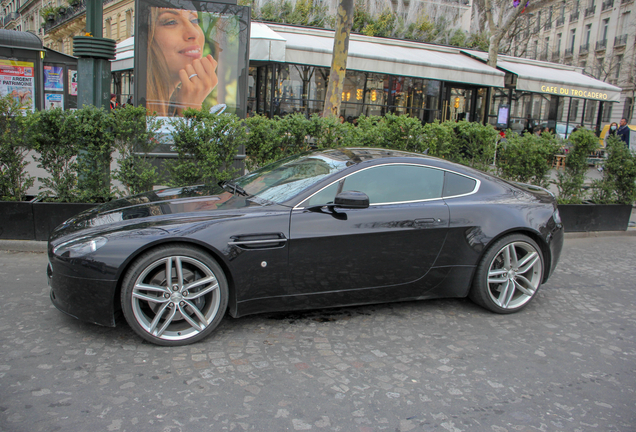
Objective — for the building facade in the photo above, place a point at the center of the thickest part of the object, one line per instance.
(596, 36)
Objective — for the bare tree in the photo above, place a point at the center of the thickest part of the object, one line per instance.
(500, 19)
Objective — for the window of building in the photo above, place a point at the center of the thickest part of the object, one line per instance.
(572, 39)
(619, 61)
(588, 34)
(557, 48)
(574, 111)
(129, 24)
(607, 112)
(605, 29)
(628, 109)
(108, 27)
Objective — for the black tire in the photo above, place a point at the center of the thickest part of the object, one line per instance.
(509, 274)
(178, 312)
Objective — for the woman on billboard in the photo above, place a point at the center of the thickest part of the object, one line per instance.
(178, 75)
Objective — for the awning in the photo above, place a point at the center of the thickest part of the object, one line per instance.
(388, 56)
(124, 55)
(551, 78)
(266, 44)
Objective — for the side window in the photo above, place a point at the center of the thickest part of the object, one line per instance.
(397, 183)
(325, 196)
(456, 184)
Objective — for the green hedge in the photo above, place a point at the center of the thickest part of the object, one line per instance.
(77, 147)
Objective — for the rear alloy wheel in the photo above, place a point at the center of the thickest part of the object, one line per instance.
(174, 295)
(509, 275)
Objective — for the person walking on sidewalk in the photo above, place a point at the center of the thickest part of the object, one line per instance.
(623, 132)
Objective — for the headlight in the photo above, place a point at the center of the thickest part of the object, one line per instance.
(79, 247)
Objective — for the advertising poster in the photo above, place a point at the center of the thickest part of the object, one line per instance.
(53, 100)
(191, 55)
(53, 76)
(17, 80)
(72, 82)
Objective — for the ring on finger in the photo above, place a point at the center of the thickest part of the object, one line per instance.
(192, 76)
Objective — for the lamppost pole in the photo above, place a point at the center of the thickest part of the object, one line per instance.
(94, 54)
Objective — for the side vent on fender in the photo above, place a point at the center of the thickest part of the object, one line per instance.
(258, 241)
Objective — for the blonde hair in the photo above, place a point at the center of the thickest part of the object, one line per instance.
(157, 75)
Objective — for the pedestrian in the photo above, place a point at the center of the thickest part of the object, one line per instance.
(113, 101)
(623, 132)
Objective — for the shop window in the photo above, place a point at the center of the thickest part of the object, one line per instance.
(607, 112)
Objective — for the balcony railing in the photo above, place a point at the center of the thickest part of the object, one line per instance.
(560, 21)
(70, 13)
(584, 49)
(556, 55)
(626, 1)
(574, 16)
(620, 41)
(547, 26)
(543, 56)
(601, 45)
(607, 4)
(11, 16)
(569, 52)
(590, 11)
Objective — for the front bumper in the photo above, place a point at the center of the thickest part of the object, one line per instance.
(88, 300)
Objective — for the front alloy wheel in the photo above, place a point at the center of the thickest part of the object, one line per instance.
(174, 295)
(509, 274)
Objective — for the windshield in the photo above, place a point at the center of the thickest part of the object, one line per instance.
(283, 180)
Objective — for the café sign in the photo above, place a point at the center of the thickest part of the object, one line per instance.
(572, 92)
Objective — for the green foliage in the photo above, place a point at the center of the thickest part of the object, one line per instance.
(304, 12)
(328, 132)
(135, 136)
(527, 158)
(475, 143)
(206, 144)
(92, 129)
(400, 132)
(14, 148)
(570, 182)
(383, 26)
(263, 142)
(422, 30)
(57, 150)
(459, 38)
(438, 139)
(618, 185)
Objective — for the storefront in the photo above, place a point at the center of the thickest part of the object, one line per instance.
(289, 72)
(549, 95)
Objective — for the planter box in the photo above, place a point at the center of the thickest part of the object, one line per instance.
(595, 217)
(16, 220)
(47, 216)
(31, 220)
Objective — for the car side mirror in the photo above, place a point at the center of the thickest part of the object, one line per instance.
(352, 200)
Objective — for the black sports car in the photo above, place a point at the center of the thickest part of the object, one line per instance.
(321, 229)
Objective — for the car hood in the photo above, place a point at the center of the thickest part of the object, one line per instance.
(186, 203)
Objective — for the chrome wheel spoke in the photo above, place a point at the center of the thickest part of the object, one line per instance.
(204, 291)
(527, 290)
(200, 282)
(179, 267)
(155, 321)
(150, 298)
(506, 294)
(202, 321)
(155, 288)
(528, 262)
(165, 325)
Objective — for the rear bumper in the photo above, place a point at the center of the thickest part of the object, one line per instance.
(85, 299)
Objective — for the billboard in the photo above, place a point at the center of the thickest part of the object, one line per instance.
(17, 80)
(191, 54)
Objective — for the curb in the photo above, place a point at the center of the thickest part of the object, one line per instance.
(40, 246)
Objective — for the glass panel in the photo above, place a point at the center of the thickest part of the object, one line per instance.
(457, 185)
(397, 183)
(325, 196)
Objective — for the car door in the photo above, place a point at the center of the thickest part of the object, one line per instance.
(394, 241)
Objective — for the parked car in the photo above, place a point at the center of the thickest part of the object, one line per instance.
(322, 229)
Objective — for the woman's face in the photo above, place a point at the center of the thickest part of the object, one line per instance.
(179, 37)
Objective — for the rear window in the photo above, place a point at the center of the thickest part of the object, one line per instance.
(455, 184)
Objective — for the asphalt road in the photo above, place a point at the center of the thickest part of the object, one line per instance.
(565, 363)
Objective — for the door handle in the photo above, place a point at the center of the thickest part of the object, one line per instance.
(426, 221)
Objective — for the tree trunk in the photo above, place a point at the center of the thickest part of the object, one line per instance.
(333, 97)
